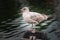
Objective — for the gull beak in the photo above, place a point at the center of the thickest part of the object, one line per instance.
(21, 10)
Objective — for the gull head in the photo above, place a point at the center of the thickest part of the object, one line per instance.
(25, 9)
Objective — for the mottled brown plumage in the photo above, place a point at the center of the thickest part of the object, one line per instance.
(32, 17)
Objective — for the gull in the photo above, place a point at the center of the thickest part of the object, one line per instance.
(32, 17)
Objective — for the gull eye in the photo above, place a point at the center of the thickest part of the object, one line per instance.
(24, 9)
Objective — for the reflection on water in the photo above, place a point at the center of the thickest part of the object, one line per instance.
(14, 28)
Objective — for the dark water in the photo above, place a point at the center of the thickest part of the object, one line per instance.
(12, 28)
(15, 27)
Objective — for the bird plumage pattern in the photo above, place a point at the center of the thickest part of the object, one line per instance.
(32, 17)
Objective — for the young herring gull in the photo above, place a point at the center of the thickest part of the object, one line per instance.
(32, 17)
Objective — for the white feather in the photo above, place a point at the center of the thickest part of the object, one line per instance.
(32, 17)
